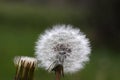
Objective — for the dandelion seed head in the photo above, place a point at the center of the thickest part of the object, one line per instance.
(19, 60)
(63, 40)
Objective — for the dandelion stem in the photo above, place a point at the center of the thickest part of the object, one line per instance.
(58, 72)
(58, 75)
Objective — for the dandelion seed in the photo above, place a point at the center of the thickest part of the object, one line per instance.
(63, 45)
(25, 67)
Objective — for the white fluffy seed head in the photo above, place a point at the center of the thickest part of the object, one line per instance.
(18, 60)
(63, 38)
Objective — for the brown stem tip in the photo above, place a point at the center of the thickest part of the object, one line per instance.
(25, 67)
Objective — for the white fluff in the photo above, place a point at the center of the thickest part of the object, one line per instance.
(72, 38)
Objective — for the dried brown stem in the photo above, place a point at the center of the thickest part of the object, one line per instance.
(25, 72)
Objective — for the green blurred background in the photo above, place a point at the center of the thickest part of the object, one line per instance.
(21, 22)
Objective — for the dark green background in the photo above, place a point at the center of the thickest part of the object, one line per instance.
(21, 24)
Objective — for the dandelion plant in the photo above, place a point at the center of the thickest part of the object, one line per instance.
(62, 49)
(25, 67)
